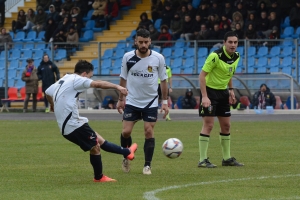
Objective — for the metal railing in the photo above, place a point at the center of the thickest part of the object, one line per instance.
(9, 4)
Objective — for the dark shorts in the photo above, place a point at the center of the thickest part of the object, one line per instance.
(84, 137)
(219, 103)
(159, 92)
(132, 113)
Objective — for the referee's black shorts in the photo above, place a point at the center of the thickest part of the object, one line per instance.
(219, 103)
(84, 137)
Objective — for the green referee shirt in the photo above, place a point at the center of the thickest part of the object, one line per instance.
(169, 73)
(220, 68)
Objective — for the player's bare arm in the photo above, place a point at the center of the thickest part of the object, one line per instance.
(170, 84)
(50, 100)
(232, 99)
(164, 91)
(205, 100)
(121, 100)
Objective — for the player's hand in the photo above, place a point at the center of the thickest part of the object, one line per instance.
(232, 99)
(165, 108)
(170, 90)
(51, 108)
(205, 102)
(123, 90)
(120, 106)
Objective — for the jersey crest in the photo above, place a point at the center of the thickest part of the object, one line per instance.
(150, 69)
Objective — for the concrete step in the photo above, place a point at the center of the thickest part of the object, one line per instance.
(127, 23)
(109, 39)
(122, 29)
(116, 33)
(139, 12)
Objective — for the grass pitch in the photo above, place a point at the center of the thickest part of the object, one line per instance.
(36, 162)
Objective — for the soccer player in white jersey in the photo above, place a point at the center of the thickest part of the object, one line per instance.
(63, 97)
(140, 71)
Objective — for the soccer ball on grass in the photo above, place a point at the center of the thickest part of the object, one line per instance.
(172, 148)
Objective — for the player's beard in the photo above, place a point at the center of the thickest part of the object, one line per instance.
(144, 51)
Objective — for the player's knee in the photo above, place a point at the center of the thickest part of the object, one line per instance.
(126, 133)
(95, 150)
(225, 127)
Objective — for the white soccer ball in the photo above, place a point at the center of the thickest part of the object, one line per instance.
(172, 148)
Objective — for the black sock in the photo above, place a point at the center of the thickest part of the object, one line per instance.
(113, 148)
(97, 166)
(125, 142)
(149, 150)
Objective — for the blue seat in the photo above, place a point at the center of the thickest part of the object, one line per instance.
(38, 55)
(213, 49)
(288, 42)
(176, 70)
(15, 54)
(12, 73)
(108, 53)
(11, 82)
(88, 16)
(23, 65)
(274, 69)
(178, 53)
(87, 36)
(251, 51)
(61, 54)
(261, 62)
(180, 43)
(297, 33)
(117, 64)
(39, 46)
(286, 22)
(178, 102)
(261, 70)
(17, 45)
(157, 24)
(14, 64)
(116, 71)
(288, 102)
(90, 24)
(286, 51)
(100, 29)
(287, 70)
(120, 45)
(26, 54)
(48, 52)
(95, 63)
(40, 37)
(167, 52)
(274, 62)
(105, 71)
(196, 3)
(240, 63)
(189, 63)
(157, 49)
(1, 82)
(168, 61)
(286, 62)
(177, 63)
(106, 63)
(240, 50)
(19, 84)
(190, 52)
(2, 55)
(31, 35)
(202, 52)
(239, 70)
(119, 54)
(275, 51)
(287, 32)
(201, 62)
(251, 62)
(188, 71)
(27, 46)
(19, 36)
(262, 52)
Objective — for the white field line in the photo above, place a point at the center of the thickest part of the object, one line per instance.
(151, 194)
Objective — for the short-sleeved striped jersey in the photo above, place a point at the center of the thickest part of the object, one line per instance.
(142, 76)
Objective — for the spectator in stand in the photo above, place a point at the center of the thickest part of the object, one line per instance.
(182, 13)
(44, 4)
(39, 21)
(175, 4)
(263, 98)
(176, 26)
(111, 11)
(261, 8)
(274, 34)
(167, 14)
(215, 34)
(294, 15)
(72, 41)
(215, 9)
(250, 34)
(187, 28)
(197, 27)
(251, 20)
(62, 26)
(226, 28)
(30, 18)
(99, 7)
(191, 10)
(240, 8)
(188, 101)
(250, 6)
(145, 22)
(75, 12)
(50, 28)
(273, 22)
(224, 20)
(67, 5)
(60, 37)
(228, 10)
(20, 22)
(153, 34)
(276, 9)
(29, 76)
(82, 5)
(237, 18)
(5, 38)
(202, 34)
(185, 2)
(57, 4)
(125, 3)
(46, 71)
(64, 13)
(156, 9)
(238, 30)
(76, 25)
(89, 4)
(212, 20)
(53, 14)
(203, 10)
(164, 36)
(262, 25)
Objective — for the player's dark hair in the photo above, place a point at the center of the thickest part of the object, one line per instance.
(83, 66)
(230, 34)
(143, 33)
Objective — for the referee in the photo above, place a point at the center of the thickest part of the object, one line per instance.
(216, 96)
